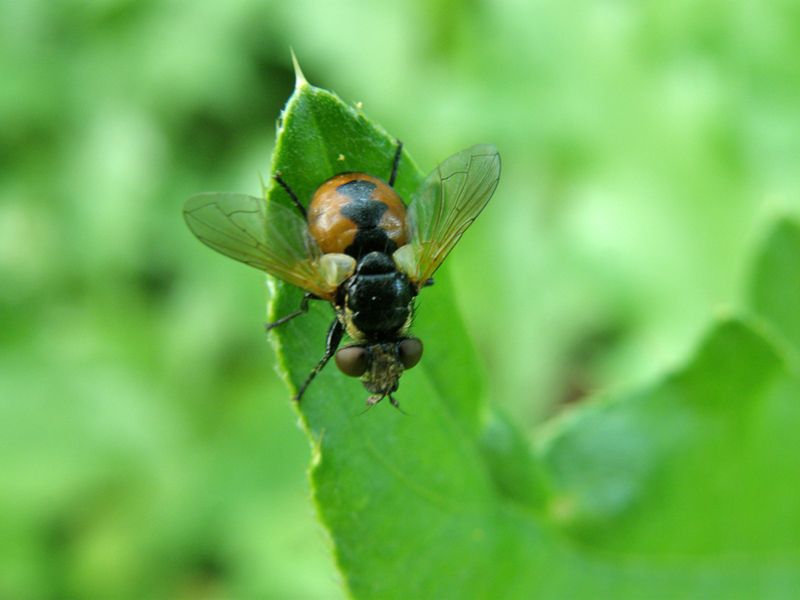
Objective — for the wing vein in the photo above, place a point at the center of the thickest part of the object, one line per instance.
(448, 202)
(267, 236)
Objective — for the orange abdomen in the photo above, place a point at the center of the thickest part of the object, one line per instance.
(355, 213)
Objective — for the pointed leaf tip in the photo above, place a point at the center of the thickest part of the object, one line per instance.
(300, 79)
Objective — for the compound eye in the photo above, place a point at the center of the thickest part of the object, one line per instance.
(352, 360)
(410, 351)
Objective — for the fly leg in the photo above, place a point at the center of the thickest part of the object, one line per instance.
(292, 195)
(303, 309)
(395, 403)
(395, 163)
(331, 344)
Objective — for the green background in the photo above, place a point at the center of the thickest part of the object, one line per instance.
(148, 448)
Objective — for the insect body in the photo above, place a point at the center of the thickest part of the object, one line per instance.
(358, 247)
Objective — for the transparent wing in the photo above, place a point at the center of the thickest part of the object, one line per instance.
(445, 205)
(276, 241)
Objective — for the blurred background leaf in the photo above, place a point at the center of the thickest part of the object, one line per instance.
(149, 450)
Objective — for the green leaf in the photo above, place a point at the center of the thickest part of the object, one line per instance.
(775, 286)
(698, 472)
(685, 489)
(671, 469)
(394, 489)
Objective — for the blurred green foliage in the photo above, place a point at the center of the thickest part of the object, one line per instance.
(148, 449)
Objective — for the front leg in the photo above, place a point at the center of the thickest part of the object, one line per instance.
(331, 344)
